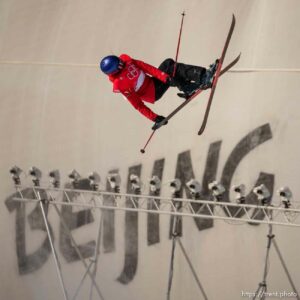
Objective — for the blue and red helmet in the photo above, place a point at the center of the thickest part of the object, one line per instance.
(110, 64)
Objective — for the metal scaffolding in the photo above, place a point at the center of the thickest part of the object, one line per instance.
(232, 213)
(218, 210)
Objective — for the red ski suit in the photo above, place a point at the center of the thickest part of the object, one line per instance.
(134, 82)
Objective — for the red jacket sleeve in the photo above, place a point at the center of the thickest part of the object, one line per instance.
(139, 105)
(157, 73)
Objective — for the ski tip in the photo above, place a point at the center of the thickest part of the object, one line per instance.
(201, 131)
(233, 20)
(237, 58)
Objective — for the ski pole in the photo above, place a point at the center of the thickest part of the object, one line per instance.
(143, 150)
(178, 44)
(176, 57)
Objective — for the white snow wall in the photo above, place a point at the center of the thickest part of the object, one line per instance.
(57, 111)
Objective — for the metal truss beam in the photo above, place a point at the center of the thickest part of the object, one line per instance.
(227, 211)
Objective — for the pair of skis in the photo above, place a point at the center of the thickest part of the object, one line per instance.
(219, 72)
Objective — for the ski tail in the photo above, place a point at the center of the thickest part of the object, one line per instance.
(229, 66)
(218, 73)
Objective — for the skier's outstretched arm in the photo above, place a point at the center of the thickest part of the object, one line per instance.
(139, 105)
(153, 71)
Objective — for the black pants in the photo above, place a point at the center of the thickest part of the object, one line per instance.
(184, 74)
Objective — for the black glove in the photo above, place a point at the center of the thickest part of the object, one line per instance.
(159, 121)
(171, 81)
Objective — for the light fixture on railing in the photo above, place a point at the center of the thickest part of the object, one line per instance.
(15, 174)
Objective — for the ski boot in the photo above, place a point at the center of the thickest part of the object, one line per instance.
(190, 87)
(209, 76)
(188, 90)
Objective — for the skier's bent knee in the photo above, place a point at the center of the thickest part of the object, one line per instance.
(167, 63)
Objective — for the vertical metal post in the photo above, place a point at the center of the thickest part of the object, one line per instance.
(262, 286)
(171, 269)
(56, 261)
(97, 251)
(174, 239)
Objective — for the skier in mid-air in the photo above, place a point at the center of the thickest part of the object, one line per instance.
(140, 82)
